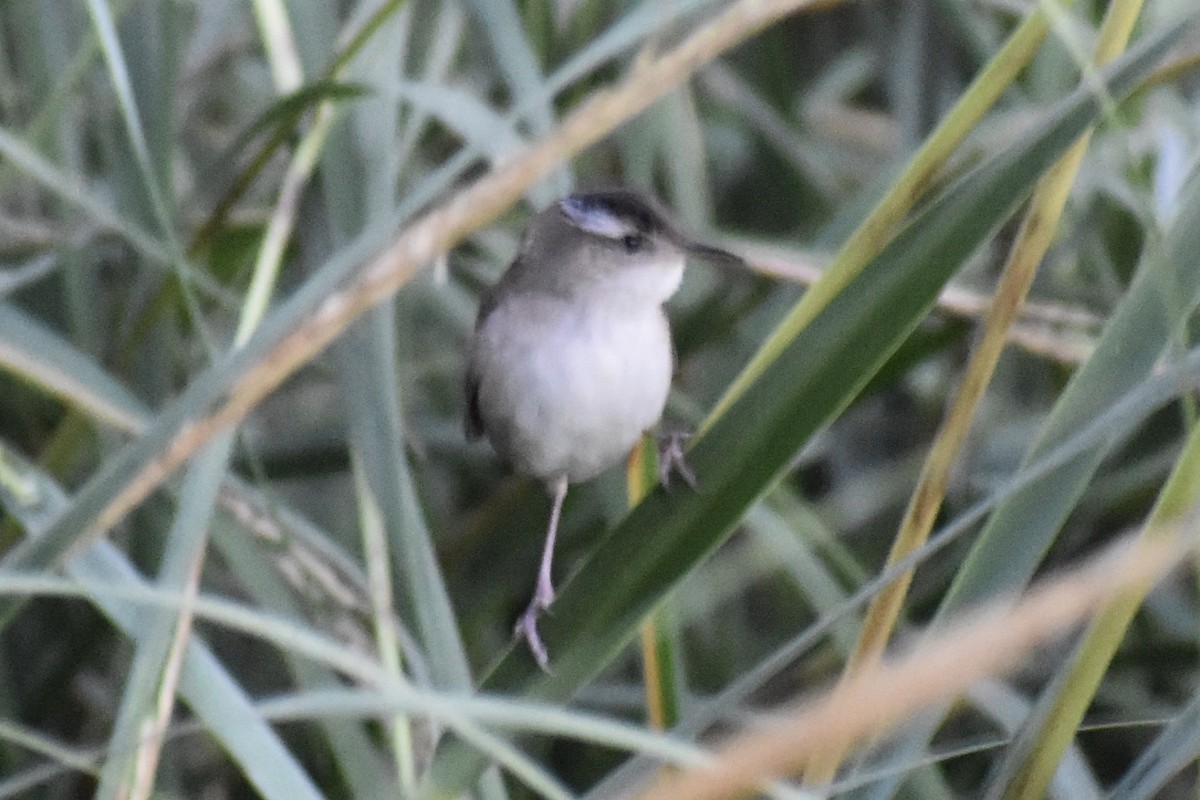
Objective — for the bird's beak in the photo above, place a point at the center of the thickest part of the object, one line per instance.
(713, 255)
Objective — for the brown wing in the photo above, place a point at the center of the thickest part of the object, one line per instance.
(472, 419)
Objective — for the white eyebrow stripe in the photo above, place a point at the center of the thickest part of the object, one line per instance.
(594, 218)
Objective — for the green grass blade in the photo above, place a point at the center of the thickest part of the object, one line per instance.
(1175, 748)
(37, 355)
(514, 55)
(516, 59)
(486, 130)
(155, 27)
(186, 542)
(286, 112)
(367, 359)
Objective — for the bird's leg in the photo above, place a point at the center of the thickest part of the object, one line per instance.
(543, 596)
(671, 459)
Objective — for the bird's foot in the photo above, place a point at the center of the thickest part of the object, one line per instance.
(671, 459)
(526, 627)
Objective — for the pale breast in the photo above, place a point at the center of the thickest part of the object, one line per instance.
(567, 389)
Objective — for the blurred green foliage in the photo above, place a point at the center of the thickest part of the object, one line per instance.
(139, 172)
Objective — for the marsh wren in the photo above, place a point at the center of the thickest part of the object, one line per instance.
(571, 359)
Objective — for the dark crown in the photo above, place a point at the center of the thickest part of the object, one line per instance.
(632, 208)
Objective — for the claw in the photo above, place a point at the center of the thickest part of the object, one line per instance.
(671, 459)
(527, 629)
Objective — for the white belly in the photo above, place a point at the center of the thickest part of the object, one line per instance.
(568, 390)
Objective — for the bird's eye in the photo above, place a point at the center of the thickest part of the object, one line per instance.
(633, 242)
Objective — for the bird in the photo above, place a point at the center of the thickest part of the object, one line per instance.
(571, 358)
